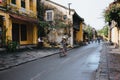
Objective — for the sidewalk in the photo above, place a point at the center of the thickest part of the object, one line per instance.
(109, 66)
(8, 60)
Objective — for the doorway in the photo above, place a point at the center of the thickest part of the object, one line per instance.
(15, 32)
(2, 32)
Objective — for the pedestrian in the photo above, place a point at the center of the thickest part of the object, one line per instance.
(98, 39)
(40, 42)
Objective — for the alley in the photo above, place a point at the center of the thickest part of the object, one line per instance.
(80, 64)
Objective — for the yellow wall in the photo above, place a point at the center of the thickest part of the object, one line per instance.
(31, 35)
(35, 39)
(8, 22)
(7, 25)
(31, 27)
(30, 7)
(79, 35)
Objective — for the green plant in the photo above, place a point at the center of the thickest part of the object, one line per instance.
(41, 28)
(40, 10)
(103, 31)
(113, 13)
(60, 25)
(89, 29)
(44, 24)
(12, 46)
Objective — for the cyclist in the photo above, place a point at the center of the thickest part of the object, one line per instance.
(64, 46)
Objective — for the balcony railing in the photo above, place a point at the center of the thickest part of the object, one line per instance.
(7, 6)
(3, 4)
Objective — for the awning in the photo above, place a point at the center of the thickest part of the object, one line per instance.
(24, 18)
(76, 27)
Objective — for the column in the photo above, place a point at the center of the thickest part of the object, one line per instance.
(18, 3)
(35, 37)
(8, 27)
(27, 5)
(35, 7)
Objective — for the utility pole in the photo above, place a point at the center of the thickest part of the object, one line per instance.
(69, 7)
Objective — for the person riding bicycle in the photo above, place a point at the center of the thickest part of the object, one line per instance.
(64, 45)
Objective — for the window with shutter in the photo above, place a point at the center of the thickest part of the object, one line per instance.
(49, 15)
(23, 3)
(13, 1)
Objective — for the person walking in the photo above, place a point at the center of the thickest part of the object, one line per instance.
(98, 39)
(40, 42)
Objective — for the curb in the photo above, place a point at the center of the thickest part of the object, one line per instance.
(30, 60)
(14, 65)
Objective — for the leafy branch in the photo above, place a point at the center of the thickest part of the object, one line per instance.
(113, 13)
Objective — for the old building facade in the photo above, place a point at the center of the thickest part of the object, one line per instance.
(18, 21)
(63, 22)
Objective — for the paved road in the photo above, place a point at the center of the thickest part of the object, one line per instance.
(80, 64)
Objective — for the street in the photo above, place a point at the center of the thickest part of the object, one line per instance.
(79, 64)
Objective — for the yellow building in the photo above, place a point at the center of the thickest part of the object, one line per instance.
(78, 30)
(18, 21)
(79, 35)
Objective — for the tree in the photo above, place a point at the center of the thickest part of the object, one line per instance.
(103, 31)
(42, 23)
(40, 10)
(88, 29)
(113, 13)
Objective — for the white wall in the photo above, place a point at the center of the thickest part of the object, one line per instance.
(65, 11)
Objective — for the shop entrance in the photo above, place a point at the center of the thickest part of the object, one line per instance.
(15, 32)
(2, 33)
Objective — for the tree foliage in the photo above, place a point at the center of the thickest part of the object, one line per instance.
(40, 10)
(88, 29)
(104, 31)
(113, 13)
(42, 24)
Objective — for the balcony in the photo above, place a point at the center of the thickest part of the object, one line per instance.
(28, 13)
(3, 5)
(13, 8)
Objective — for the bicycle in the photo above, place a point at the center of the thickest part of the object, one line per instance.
(62, 52)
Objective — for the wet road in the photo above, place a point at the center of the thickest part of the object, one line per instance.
(80, 64)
